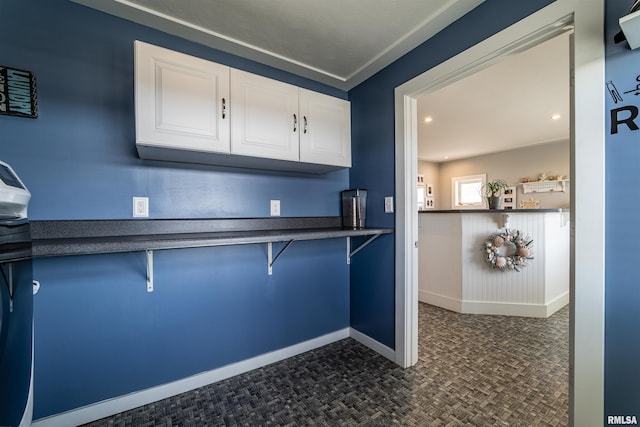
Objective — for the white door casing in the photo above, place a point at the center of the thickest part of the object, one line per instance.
(587, 173)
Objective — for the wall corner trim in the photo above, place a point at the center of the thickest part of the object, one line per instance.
(374, 345)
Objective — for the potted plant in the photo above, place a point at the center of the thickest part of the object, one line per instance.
(493, 191)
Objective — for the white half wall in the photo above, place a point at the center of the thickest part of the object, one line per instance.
(454, 275)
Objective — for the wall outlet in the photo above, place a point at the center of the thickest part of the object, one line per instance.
(275, 208)
(141, 207)
(388, 204)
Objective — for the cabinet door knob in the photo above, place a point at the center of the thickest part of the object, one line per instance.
(305, 123)
(295, 123)
(224, 108)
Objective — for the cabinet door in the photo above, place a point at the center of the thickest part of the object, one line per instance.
(264, 117)
(181, 101)
(325, 136)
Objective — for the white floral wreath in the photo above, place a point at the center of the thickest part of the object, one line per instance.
(523, 250)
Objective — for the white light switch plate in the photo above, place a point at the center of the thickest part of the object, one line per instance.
(275, 208)
(388, 204)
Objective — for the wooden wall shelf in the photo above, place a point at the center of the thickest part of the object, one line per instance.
(544, 186)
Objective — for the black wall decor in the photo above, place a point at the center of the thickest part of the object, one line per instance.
(18, 92)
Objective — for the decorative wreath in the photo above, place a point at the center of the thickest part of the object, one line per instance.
(503, 259)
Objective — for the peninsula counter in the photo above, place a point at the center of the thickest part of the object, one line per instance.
(454, 274)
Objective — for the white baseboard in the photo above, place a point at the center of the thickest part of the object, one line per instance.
(504, 309)
(440, 300)
(557, 303)
(496, 308)
(511, 309)
(119, 404)
(374, 345)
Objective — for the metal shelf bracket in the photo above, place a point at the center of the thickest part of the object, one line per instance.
(272, 259)
(149, 270)
(351, 253)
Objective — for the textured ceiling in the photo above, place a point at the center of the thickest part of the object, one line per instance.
(337, 42)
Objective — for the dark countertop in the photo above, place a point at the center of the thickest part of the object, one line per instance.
(506, 211)
(82, 237)
(15, 241)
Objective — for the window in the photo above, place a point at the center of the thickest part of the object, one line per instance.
(466, 191)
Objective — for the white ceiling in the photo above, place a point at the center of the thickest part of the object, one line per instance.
(508, 105)
(337, 42)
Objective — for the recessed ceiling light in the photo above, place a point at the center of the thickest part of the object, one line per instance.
(446, 157)
(428, 119)
(555, 117)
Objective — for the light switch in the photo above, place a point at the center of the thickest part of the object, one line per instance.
(275, 208)
(388, 204)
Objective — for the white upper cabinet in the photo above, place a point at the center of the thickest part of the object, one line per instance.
(181, 101)
(264, 120)
(325, 134)
(196, 111)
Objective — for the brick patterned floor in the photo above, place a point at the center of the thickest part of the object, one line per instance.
(474, 370)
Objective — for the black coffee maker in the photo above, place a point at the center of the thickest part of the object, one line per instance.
(354, 208)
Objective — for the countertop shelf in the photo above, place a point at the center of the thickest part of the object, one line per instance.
(84, 237)
(484, 211)
(87, 237)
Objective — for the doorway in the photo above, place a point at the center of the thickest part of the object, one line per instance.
(510, 123)
(497, 124)
(587, 223)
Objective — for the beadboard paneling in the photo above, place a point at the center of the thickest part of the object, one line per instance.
(480, 282)
(454, 275)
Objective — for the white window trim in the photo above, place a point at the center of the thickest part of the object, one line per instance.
(454, 191)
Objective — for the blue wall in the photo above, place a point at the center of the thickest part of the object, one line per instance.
(98, 333)
(622, 296)
(373, 139)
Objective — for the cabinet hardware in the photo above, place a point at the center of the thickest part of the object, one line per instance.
(224, 108)
(305, 123)
(295, 123)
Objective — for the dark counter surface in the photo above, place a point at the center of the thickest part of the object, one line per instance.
(15, 241)
(82, 237)
(507, 211)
